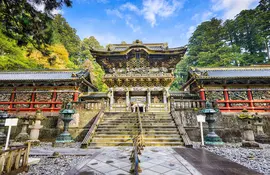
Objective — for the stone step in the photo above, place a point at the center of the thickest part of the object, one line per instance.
(164, 143)
(129, 140)
(135, 132)
(136, 129)
(129, 136)
(111, 144)
(144, 125)
(135, 120)
(131, 144)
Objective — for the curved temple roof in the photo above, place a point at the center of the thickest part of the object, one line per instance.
(236, 72)
(41, 75)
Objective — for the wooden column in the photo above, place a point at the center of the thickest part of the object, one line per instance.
(54, 96)
(202, 94)
(33, 98)
(12, 98)
(249, 94)
(226, 97)
(76, 95)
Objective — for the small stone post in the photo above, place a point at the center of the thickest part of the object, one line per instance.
(67, 113)
(23, 135)
(3, 117)
(260, 137)
(247, 127)
(211, 138)
(35, 127)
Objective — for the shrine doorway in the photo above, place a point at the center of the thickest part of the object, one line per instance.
(138, 101)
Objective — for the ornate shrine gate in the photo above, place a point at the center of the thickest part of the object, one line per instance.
(139, 75)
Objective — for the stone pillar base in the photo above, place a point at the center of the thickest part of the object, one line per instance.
(22, 137)
(212, 139)
(250, 144)
(262, 139)
(34, 142)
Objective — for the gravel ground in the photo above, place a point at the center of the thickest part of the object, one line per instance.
(55, 166)
(256, 159)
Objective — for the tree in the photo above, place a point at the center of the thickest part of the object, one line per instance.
(23, 22)
(12, 56)
(57, 59)
(96, 72)
(263, 16)
(208, 47)
(62, 33)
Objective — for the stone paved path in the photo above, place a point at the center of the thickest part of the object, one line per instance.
(154, 160)
(211, 164)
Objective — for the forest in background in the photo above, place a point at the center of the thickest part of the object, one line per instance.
(242, 41)
(32, 39)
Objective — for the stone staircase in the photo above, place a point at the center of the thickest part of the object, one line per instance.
(118, 129)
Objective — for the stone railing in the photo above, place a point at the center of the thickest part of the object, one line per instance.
(88, 137)
(14, 160)
(180, 126)
(188, 104)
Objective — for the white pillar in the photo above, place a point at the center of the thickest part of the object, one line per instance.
(111, 99)
(165, 99)
(148, 99)
(127, 100)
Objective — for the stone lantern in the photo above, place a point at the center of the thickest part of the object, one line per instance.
(67, 113)
(23, 135)
(211, 138)
(3, 117)
(35, 127)
(247, 126)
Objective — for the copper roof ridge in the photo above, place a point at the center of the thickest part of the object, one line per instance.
(43, 71)
(230, 68)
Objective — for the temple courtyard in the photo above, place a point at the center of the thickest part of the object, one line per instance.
(229, 159)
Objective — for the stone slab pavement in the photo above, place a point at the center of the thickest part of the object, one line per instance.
(154, 161)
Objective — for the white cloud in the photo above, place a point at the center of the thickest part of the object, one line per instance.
(190, 31)
(161, 8)
(131, 7)
(106, 38)
(115, 12)
(206, 15)
(195, 17)
(151, 9)
(232, 7)
(129, 23)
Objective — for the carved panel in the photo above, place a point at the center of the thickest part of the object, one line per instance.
(237, 95)
(261, 94)
(221, 104)
(239, 104)
(23, 97)
(44, 96)
(4, 106)
(64, 96)
(214, 95)
(5, 97)
(261, 104)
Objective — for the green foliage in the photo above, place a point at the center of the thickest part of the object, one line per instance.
(62, 33)
(23, 22)
(90, 63)
(242, 41)
(11, 56)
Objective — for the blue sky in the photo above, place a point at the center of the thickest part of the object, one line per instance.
(172, 21)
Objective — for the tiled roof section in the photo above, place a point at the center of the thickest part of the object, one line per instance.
(149, 46)
(156, 47)
(41, 75)
(232, 72)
